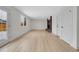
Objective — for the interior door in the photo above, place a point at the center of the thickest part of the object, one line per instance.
(67, 25)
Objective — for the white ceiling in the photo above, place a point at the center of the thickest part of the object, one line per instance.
(39, 12)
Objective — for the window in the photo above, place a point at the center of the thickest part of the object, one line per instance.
(3, 20)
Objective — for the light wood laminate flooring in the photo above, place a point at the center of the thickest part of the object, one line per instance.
(38, 41)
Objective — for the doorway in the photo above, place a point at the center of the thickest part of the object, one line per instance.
(3, 25)
(49, 24)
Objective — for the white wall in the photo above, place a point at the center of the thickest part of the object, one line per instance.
(67, 23)
(54, 25)
(39, 24)
(67, 18)
(78, 27)
(14, 23)
(75, 27)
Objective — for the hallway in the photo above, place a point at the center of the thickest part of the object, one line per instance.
(38, 41)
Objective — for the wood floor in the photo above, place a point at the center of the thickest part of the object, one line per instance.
(38, 41)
